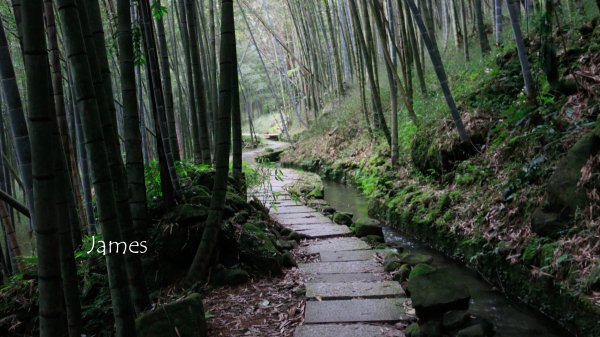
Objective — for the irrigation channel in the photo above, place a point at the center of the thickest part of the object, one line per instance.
(510, 318)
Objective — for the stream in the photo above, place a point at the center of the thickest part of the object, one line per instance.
(510, 318)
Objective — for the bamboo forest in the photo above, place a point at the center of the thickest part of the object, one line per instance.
(300, 168)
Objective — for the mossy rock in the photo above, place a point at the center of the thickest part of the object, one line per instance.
(269, 156)
(402, 273)
(413, 330)
(257, 248)
(284, 245)
(593, 280)
(181, 318)
(431, 328)
(230, 277)
(421, 269)
(434, 292)
(455, 319)
(186, 214)
(563, 192)
(366, 226)
(477, 327)
(289, 260)
(391, 262)
(414, 259)
(373, 239)
(343, 218)
(547, 224)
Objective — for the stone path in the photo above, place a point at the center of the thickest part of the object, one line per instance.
(347, 294)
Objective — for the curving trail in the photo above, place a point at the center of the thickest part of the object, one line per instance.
(347, 291)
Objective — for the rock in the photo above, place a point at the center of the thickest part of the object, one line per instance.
(342, 218)
(593, 281)
(421, 269)
(257, 248)
(269, 156)
(430, 329)
(482, 329)
(230, 277)
(391, 262)
(186, 214)
(562, 185)
(413, 330)
(434, 292)
(289, 260)
(402, 273)
(364, 227)
(546, 224)
(414, 259)
(317, 203)
(453, 320)
(293, 236)
(372, 239)
(182, 318)
(284, 245)
(328, 210)
(285, 231)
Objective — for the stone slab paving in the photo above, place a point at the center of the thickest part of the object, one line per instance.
(300, 220)
(321, 231)
(290, 210)
(370, 266)
(345, 277)
(349, 330)
(347, 290)
(355, 311)
(337, 245)
(348, 285)
(352, 255)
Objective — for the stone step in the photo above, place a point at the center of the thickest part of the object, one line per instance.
(349, 330)
(336, 245)
(352, 255)
(289, 209)
(370, 266)
(322, 232)
(348, 290)
(354, 311)
(313, 219)
(345, 277)
(303, 215)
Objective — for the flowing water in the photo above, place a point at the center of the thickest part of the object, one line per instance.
(511, 319)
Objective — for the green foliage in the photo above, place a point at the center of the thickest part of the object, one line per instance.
(158, 10)
(138, 49)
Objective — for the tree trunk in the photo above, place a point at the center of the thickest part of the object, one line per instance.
(483, 40)
(97, 155)
(525, 69)
(498, 21)
(43, 159)
(439, 70)
(199, 267)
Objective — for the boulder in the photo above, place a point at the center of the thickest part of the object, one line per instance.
(373, 239)
(289, 260)
(186, 214)
(181, 318)
(547, 224)
(480, 328)
(430, 329)
(284, 245)
(593, 280)
(230, 277)
(328, 210)
(269, 156)
(257, 248)
(414, 259)
(454, 320)
(402, 273)
(413, 330)
(391, 262)
(434, 292)
(343, 218)
(563, 193)
(367, 226)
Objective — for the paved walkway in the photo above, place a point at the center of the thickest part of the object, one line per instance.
(347, 293)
